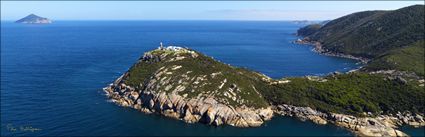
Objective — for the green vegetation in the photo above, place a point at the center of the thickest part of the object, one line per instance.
(352, 93)
(393, 39)
(200, 75)
(371, 33)
(410, 58)
(308, 30)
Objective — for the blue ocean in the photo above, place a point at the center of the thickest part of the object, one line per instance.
(52, 75)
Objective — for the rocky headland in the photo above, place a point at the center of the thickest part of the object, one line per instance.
(318, 48)
(190, 110)
(186, 85)
(160, 94)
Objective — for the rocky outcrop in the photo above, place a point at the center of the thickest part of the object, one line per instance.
(382, 125)
(303, 113)
(206, 110)
(209, 111)
(168, 88)
(398, 75)
(366, 126)
(318, 48)
(168, 81)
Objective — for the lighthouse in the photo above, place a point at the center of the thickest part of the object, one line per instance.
(160, 46)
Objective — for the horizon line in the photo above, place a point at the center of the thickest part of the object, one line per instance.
(180, 20)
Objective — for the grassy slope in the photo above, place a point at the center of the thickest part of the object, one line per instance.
(410, 58)
(200, 66)
(350, 94)
(308, 30)
(372, 33)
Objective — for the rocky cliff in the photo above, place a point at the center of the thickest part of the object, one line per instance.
(382, 125)
(183, 84)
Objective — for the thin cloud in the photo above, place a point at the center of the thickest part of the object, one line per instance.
(275, 14)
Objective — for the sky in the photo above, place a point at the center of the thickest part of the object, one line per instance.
(193, 10)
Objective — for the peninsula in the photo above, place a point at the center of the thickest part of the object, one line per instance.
(187, 85)
(34, 19)
(373, 101)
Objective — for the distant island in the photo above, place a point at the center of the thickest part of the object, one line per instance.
(309, 22)
(34, 19)
(386, 93)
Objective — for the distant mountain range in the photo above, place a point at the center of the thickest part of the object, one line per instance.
(309, 22)
(34, 19)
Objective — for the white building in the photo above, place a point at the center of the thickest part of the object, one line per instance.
(172, 48)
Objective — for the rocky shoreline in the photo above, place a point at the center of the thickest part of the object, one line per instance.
(382, 125)
(319, 49)
(209, 111)
(204, 110)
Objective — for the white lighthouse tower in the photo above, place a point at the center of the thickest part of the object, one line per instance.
(160, 46)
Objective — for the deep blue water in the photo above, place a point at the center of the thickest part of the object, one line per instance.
(52, 75)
